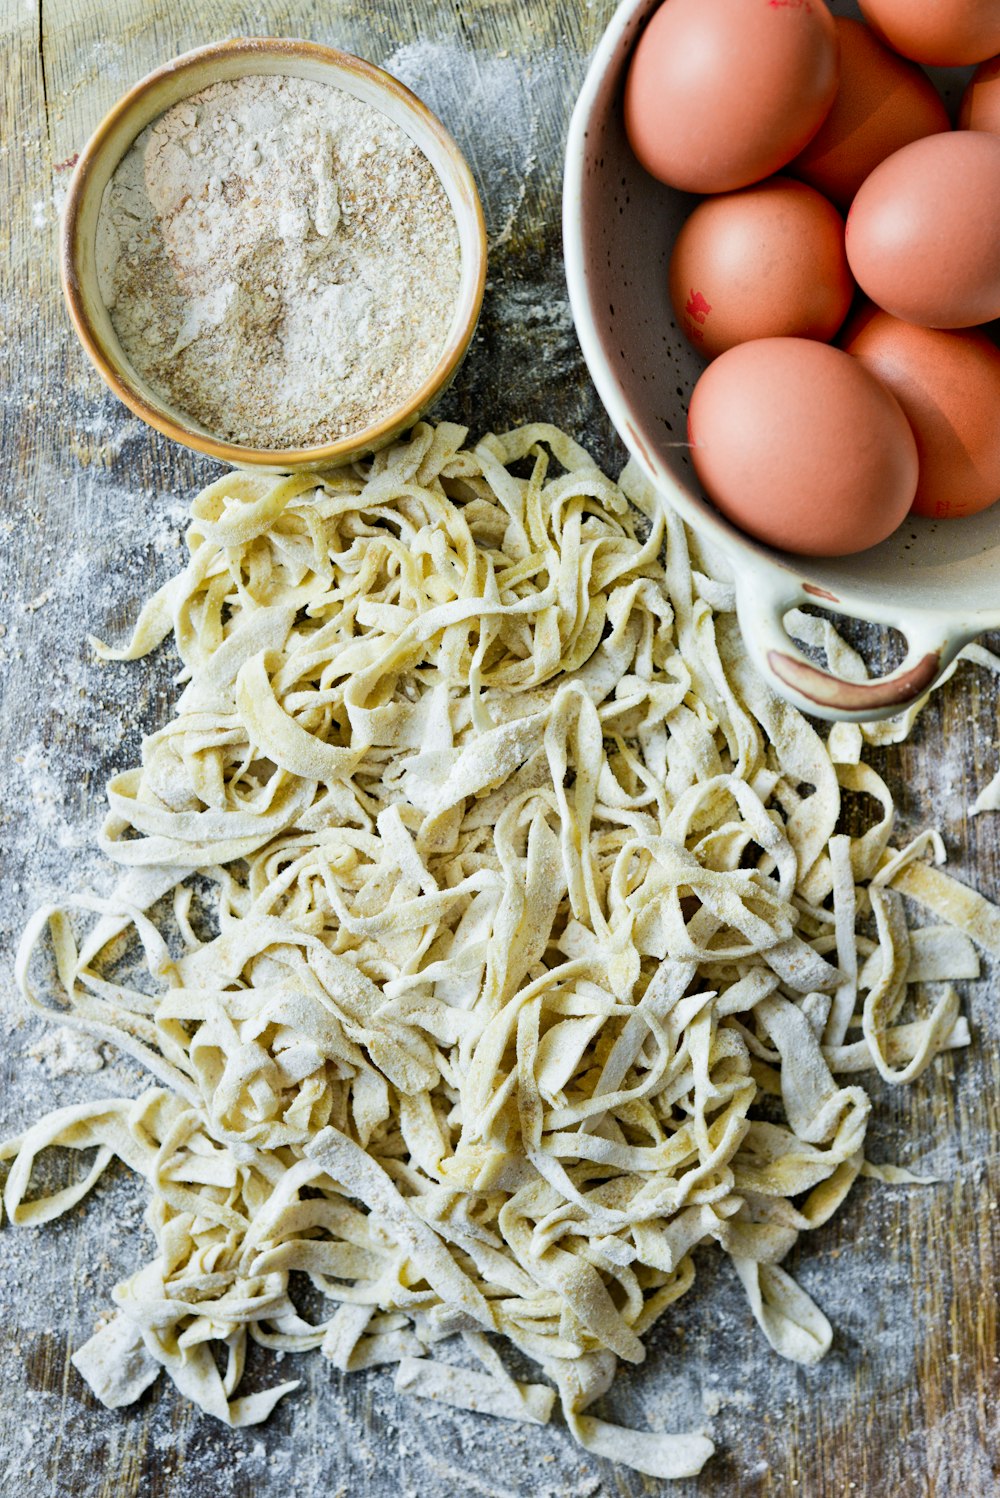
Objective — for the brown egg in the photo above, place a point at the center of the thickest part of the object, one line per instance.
(922, 233)
(945, 33)
(765, 262)
(721, 93)
(948, 385)
(796, 443)
(981, 101)
(882, 103)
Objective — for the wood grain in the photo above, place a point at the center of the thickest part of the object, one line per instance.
(906, 1402)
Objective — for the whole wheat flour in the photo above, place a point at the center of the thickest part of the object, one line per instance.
(280, 261)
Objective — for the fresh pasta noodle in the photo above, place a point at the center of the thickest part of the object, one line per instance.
(526, 895)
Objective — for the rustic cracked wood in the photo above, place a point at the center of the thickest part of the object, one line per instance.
(92, 508)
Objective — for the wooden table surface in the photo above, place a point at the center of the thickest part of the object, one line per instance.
(93, 505)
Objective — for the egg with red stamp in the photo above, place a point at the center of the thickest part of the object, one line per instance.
(722, 93)
(942, 33)
(883, 102)
(948, 385)
(767, 261)
(980, 109)
(800, 446)
(922, 233)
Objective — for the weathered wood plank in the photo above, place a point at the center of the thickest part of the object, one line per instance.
(92, 504)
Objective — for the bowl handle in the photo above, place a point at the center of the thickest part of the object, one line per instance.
(761, 605)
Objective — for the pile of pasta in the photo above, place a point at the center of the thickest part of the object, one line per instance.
(535, 956)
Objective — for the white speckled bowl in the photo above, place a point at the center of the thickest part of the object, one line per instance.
(937, 582)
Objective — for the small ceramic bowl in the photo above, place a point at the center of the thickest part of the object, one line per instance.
(936, 582)
(180, 79)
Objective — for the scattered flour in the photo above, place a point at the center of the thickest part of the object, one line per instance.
(467, 86)
(64, 1050)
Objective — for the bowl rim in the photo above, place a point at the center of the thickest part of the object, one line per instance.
(352, 445)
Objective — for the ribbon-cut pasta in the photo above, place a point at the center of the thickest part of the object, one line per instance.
(537, 951)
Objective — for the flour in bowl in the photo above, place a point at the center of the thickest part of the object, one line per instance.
(280, 261)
